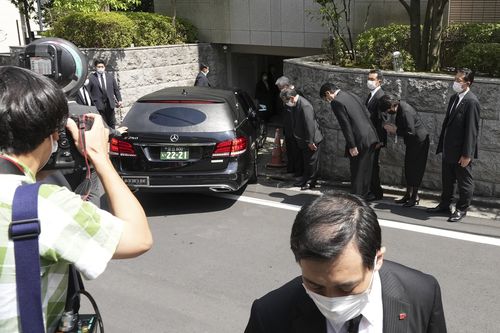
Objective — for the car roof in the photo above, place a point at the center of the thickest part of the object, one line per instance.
(191, 93)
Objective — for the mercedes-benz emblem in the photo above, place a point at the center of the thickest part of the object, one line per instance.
(174, 138)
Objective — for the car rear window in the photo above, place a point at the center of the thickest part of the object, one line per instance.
(161, 117)
(177, 117)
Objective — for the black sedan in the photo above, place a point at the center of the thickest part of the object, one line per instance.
(189, 139)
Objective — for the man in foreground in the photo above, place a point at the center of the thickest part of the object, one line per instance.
(32, 112)
(346, 285)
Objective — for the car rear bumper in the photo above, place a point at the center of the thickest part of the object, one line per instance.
(186, 182)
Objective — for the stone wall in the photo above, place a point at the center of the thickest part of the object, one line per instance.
(428, 94)
(143, 70)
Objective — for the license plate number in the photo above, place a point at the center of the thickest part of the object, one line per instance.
(136, 181)
(174, 153)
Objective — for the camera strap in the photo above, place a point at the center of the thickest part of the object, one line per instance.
(24, 231)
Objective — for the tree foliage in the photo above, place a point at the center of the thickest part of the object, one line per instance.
(425, 41)
(88, 6)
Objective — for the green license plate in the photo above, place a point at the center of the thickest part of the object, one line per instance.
(174, 153)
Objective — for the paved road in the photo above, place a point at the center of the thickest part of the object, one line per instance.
(213, 255)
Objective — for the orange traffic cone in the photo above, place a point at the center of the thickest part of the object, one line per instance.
(276, 156)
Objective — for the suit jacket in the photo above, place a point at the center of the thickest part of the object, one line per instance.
(201, 80)
(354, 121)
(409, 125)
(289, 309)
(460, 129)
(376, 116)
(80, 99)
(99, 97)
(305, 127)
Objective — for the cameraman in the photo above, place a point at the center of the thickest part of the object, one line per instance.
(32, 111)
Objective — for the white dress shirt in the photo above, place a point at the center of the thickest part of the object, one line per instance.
(373, 313)
(373, 92)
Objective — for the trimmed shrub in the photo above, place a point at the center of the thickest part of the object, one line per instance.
(95, 29)
(483, 58)
(121, 29)
(457, 36)
(375, 47)
(152, 29)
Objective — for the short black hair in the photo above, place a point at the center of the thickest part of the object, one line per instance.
(203, 66)
(380, 76)
(287, 93)
(387, 101)
(32, 107)
(327, 87)
(324, 227)
(468, 74)
(99, 61)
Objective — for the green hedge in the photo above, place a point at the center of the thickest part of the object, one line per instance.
(482, 57)
(375, 47)
(457, 36)
(121, 29)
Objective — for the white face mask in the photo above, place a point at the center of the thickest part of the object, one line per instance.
(339, 310)
(100, 70)
(372, 85)
(290, 104)
(457, 87)
(54, 144)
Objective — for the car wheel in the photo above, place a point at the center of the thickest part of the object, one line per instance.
(255, 165)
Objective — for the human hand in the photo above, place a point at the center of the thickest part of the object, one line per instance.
(120, 104)
(96, 139)
(312, 146)
(464, 161)
(390, 128)
(122, 129)
(353, 152)
(379, 145)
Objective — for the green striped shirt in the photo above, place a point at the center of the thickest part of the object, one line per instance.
(72, 231)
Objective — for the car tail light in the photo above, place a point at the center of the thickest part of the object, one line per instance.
(121, 148)
(230, 148)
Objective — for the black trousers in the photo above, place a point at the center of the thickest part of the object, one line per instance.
(311, 164)
(375, 187)
(415, 161)
(108, 115)
(293, 153)
(451, 173)
(361, 171)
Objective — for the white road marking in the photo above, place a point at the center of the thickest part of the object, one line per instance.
(384, 223)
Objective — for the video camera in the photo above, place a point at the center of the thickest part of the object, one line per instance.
(62, 62)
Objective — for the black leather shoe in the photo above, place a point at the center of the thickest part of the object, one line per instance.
(402, 200)
(308, 186)
(439, 210)
(457, 215)
(299, 184)
(412, 202)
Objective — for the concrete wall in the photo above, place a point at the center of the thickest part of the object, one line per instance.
(278, 23)
(429, 94)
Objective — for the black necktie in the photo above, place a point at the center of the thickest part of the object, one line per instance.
(455, 104)
(353, 324)
(103, 86)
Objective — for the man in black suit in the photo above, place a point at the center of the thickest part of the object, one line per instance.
(83, 96)
(360, 136)
(307, 134)
(295, 164)
(374, 84)
(458, 143)
(202, 79)
(105, 92)
(346, 285)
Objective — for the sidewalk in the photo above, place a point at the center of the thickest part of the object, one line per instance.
(485, 207)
